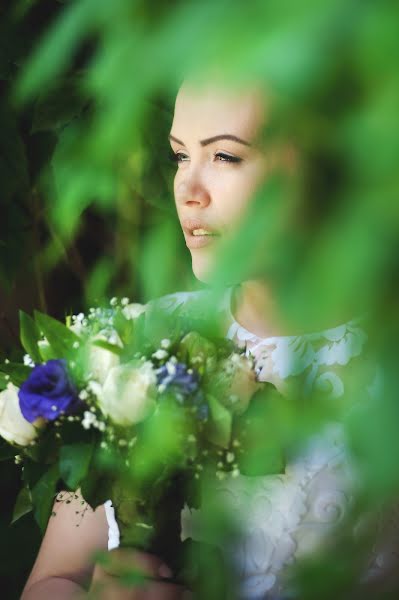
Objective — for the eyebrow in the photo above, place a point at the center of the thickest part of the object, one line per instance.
(215, 138)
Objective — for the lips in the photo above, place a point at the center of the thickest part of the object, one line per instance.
(198, 233)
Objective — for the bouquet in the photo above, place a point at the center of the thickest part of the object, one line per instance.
(135, 404)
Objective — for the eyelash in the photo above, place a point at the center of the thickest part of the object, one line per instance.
(227, 157)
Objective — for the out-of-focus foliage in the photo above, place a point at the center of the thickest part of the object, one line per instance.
(87, 199)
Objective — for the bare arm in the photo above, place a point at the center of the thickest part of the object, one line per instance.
(65, 569)
(64, 565)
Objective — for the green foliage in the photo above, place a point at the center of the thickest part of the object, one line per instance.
(30, 335)
(87, 190)
(23, 504)
(74, 463)
(60, 338)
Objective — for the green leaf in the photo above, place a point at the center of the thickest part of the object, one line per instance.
(23, 504)
(74, 463)
(197, 351)
(46, 351)
(43, 494)
(18, 373)
(60, 338)
(107, 346)
(220, 423)
(3, 382)
(30, 335)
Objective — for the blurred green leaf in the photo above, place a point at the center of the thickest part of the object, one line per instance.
(219, 426)
(30, 335)
(60, 338)
(23, 504)
(74, 463)
(16, 372)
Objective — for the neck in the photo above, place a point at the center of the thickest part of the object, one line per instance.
(254, 306)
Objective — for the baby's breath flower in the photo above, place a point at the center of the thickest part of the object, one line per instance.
(88, 420)
(28, 361)
(160, 354)
(229, 457)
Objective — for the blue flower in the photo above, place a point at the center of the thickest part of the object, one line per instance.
(177, 375)
(48, 392)
(185, 385)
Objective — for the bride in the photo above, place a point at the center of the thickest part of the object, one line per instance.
(217, 143)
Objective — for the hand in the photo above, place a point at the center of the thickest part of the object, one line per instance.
(106, 584)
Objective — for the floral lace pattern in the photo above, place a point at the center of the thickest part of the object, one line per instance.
(288, 515)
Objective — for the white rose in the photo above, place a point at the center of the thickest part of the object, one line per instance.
(133, 310)
(128, 393)
(13, 426)
(100, 360)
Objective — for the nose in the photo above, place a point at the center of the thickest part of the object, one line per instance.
(192, 192)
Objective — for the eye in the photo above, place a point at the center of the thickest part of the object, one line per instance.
(177, 157)
(228, 157)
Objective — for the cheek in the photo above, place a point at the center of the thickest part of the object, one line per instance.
(234, 191)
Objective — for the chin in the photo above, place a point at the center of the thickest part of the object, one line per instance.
(201, 266)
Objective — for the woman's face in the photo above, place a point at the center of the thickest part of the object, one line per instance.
(219, 165)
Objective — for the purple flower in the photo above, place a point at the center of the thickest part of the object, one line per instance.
(185, 385)
(48, 392)
(177, 375)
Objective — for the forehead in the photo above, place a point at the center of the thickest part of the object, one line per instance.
(204, 111)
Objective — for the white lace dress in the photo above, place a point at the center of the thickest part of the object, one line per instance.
(287, 515)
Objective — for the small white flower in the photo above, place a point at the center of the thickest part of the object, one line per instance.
(165, 343)
(229, 457)
(83, 395)
(133, 310)
(28, 361)
(160, 354)
(95, 388)
(88, 420)
(113, 301)
(125, 301)
(171, 369)
(75, 345)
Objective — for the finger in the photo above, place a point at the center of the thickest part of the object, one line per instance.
(122, 560)
(161, 591)
(108, 587)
